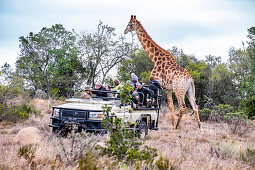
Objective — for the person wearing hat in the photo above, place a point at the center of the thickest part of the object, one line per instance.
(134, 78)
(100, 87)
(87, 93)
(147, 93)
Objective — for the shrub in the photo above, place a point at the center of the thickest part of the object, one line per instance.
(219, 112)
(248, 106)
(238, 123)
(16, 113)
(28, 152)
(125, 144)
(163, 164)
(76, 146)
(248, 155)
(204, 114)
(224, 149)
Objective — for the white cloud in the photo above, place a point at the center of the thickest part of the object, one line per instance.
(199, 27)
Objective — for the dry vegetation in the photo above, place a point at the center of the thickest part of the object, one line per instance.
(186, 148)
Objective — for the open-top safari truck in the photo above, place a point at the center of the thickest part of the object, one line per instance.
(87, 114)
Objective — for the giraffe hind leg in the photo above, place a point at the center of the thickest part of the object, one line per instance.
(192, 100)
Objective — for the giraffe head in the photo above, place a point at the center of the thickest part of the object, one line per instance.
(131, 25)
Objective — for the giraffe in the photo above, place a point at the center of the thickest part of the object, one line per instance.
(173, 77)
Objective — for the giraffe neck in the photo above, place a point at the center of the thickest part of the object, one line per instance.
(154, 51)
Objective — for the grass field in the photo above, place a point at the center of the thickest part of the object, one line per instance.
(186, 148)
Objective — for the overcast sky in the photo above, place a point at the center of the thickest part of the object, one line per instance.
(199, 27)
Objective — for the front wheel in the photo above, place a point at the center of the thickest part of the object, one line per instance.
(143, 130)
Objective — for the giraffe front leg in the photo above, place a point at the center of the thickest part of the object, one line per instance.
(171, 106)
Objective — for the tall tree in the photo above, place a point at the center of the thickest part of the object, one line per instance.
(248, 85)
(102, 51)
(49, 60)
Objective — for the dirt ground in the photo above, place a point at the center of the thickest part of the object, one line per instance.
(215, 147)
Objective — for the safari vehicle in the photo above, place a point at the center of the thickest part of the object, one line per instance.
(87, 114)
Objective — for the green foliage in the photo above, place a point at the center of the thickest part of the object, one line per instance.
(28, 152)
(16, 113)
(49, 60)
(248, 106)
(248, 155)
(219, 112)
(125, 96)
(247, 88)
(163, 163)
(12, 86)
(124, 143)
(223, 87)
(204, 114)
(138, 63)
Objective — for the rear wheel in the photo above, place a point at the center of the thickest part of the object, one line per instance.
(143, 130)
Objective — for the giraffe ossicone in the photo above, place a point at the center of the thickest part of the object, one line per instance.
(173, 77)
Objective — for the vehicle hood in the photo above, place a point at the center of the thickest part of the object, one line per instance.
(86, 104)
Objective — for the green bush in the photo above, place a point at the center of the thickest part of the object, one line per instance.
(163, 164)
(219, 112)
(124, 143)
(204, 114)
(248, 106)
(16, 113)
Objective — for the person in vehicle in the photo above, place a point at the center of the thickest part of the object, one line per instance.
(100, 87)
(117, 85)
(154, 86)
(147, 93)
(134, 79)
(135, 95)
(86, 94)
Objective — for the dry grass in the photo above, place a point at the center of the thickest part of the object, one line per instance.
(186, 148)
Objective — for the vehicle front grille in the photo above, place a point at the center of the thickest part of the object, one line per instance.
(75, 113)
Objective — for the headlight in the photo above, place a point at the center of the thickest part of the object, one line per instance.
(56, 112)
(95, 115)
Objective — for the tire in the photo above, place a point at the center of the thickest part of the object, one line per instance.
(143, 130)
(54, 130)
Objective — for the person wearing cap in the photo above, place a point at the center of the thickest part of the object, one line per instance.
(100, 87)
(147, 93)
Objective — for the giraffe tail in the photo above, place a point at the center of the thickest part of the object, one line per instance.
(191, 95)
